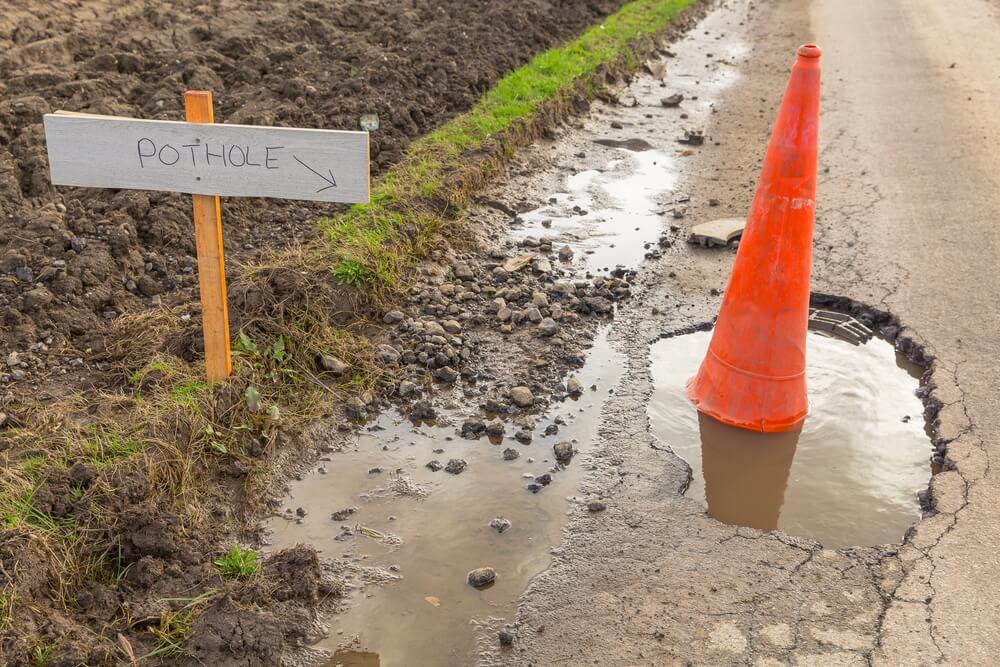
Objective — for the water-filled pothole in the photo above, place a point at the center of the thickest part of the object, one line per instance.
(850, 476)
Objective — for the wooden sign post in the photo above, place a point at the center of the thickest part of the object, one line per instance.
(208, 160)
(211, 258)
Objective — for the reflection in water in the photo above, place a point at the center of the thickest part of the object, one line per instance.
(746, 472)
(850, 477)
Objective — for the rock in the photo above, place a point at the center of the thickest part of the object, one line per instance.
(495, 407)
(523, 435)
(434, 465)
(506, 636)
(542, 265)
(717, 232)
(37, 298)
(473, 428)
(455, 466)
(408, 389)
(356, 408)
(574, 387)
(422, 411)
(522, 397)
(548, 327)
(551, 429)
(452, 326)
(499, 524)
(25, 274)
(518, 262)
(332, 364)
(510, 454)
(387, 354)
(535, 487)
(495, 429)
(544, 480)
(393, 317)
(433, 329)
(672, 100)
(301, 512)
(482, 576)
(563, 450)
(693, 138)
(596, 506)
(463, 271)
(341, 515)
(446, 374)
(565, 253)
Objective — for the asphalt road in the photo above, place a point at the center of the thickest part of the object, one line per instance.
(906, 221)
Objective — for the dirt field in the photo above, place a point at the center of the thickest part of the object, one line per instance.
(73, 259)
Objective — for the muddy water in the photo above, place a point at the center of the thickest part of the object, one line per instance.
(433, 527)
(618, 195)
(848, 477)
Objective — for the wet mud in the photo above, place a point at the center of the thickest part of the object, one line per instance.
(850, 475)
(378, 504)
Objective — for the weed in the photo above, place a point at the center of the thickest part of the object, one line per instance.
(188, 393)
(238, 563)
(33, 465)
(171, 632)
(106, 446)
(42, 654)
(351, 272)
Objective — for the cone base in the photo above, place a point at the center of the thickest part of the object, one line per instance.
(754, 403)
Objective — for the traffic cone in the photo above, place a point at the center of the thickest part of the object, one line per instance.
(753, 375)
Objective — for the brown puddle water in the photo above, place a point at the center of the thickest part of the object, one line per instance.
(437, 525)
(849, 477)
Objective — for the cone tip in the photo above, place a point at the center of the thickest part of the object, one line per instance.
(809, 51)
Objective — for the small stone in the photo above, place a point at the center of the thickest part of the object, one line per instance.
(574, 387)
(301, 512)
(408, 389)
(548, 328)
(452, 326)
(495, 429)
(563, 451)
(544, 480)
(472, 428)
(482, 576)
(393, 317)
(332, 364)
(522, 397)
(565, 253)
(356, 409)
(672, 100)
(341, 515)
(387, 354)
(510, 454)
(499, 524)
(615, 125)
(534, 487)
(506, 637)
(455, 466)
(523, 435)
(422, 410)
(463, 271)
(25, 274)
(434, 465)
(596, 506)
(446, 374)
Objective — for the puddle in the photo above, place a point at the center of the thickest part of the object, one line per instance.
(433, 527)
(849, 477)
(349, 658)
(616, 195)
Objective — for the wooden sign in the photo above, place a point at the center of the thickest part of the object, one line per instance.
(209, 159)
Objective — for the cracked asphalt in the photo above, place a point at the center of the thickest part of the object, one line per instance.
(908, 193)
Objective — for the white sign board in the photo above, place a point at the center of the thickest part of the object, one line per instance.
(207, 158)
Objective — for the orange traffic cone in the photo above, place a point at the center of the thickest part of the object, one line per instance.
(753, 375)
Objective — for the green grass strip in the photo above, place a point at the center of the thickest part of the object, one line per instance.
(420, 194)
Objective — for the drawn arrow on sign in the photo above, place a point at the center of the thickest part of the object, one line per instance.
(332, 182)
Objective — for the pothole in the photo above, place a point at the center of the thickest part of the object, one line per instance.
(377, 505)
(850, 476)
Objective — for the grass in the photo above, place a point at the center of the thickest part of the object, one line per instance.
(373, 244)
(238, 563)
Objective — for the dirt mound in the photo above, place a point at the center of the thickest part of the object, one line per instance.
(74, 259)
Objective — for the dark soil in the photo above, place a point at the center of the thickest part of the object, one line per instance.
(72, 260)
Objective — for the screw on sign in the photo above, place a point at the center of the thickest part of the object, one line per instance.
(208, 160)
